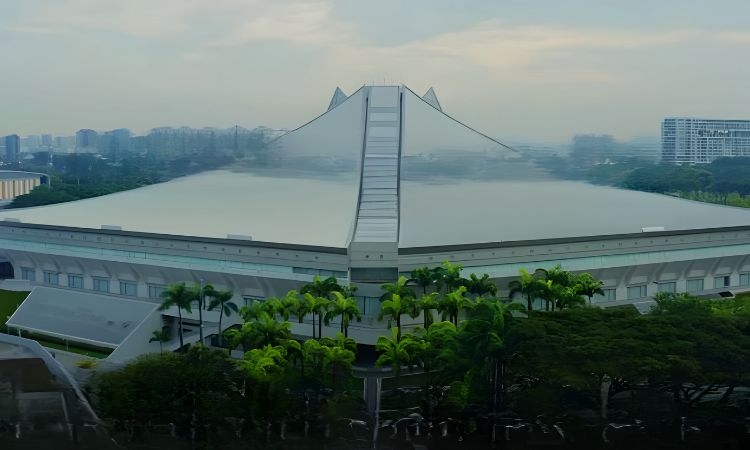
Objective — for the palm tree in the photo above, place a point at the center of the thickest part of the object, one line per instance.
(426, 304)
(340, 341)
(346, 307)
(161, 336)
(340, 361)
(266, 330)
(422, 277)
(288, 304)
(451, 274)
(587, 285)
(399, 288)
(453, 302)
(481, 286)
(180, 296)
(321, 287)
(395, 308)
(528, 286)
(221, 300)
(304, 308)
(396, 351)
(483, 335)
(316, 305)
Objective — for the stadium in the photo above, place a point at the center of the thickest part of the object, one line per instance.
(381, 183)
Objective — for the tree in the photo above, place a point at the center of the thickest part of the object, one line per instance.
(422, 277)
(396, 351)
(182, 297)
(318, 306)
(321, 287)
(451, 305)
(221, 300)
(399, 288)
(528, 286)
(346, 307)
(482, 335)
(304, 307)
(339, 360)
(395, 308)
(588, 286)
(426, 304)
(449, 275)
(161, 336)
(480, 286)
(265, 330)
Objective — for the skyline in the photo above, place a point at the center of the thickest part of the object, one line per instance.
(541, 73)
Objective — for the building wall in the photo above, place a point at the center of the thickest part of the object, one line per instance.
(700, 141)
(633, 267)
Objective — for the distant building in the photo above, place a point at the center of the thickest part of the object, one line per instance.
(114, 142)
(12, 148)
(14, 183)
(47, 140)
(86, 139)
(686, 140)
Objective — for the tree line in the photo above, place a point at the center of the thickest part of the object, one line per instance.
(479, 360)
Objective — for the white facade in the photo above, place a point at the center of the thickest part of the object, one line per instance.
(700, 141)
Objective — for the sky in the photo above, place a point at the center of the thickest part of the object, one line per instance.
(531, 70)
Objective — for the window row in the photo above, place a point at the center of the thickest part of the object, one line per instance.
(128, 288)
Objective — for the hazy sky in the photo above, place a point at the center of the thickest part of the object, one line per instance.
(518, 69)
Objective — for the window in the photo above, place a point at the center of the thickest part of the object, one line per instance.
(128, 288)
(75, 281)
(637, 291)
(609, 295)
(745, 279)
(721, 282)
(155, 290)
(52, 278)
(668, 286)
(101, 284)
(28, 274)
(694, 285)
(250, 299)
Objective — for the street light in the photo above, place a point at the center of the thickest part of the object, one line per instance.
(200, 310)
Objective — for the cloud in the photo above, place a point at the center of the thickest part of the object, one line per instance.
(307, 23)
(496, 44)
(742, 38)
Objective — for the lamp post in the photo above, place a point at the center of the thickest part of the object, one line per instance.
(200, 310)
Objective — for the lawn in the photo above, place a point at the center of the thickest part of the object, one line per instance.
(9, 301)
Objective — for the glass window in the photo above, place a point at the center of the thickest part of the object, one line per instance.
(52, 278)
(668, 286)
(610, 295)
(694, 285)
(75, 281)
(128, 288)
(721, 282)
(155, 290)
(28, 274)
(637, 291)
(745, 279)
(101, 284)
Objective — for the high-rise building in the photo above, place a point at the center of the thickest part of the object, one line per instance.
(687, 140)
(85, 138)
(12, 148)
(47, 140)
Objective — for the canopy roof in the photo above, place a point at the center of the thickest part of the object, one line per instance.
(453, 185)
